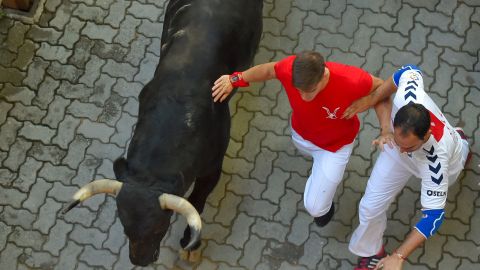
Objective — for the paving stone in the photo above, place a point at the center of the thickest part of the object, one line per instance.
(374, 62)
(25, 55)
(218, 192)
(134, 57)
(9, 256)
(101, 93)
(256, 103)
(350, 19)
(90, 13)
(258, 208)
(456, 99)
(374, 20)
(313, 250)
(329, 40)
(228, 205)
(389, 39)
(240, 124)
(106, 215)
(66, 134)
(336, 8)
(117, 13)
(27, 238)
(215, 232)
(237, 166)
(251, 141)
(276, 183)
(50, 53)
(346, 58)
(17, 217)
(56, 112)
(50, 153)
(91, 236)
(72, 33)
(154, 46)
(7, 56)
(147, 68)
(283, 44)
(293, 164)
(240, 231)
(37, 195)
(119, 70)
(36, 259)
(461, 249)
(299, 232)
(80, 215)
(144, 11)
(115, 241)
(443, 79)
(288, 205)
(47, 216)
(294, 21)
(27, 174)
(11, 75)
(81, 52)
(64, 72)
(6, 232)
(430, 59)
(127, 30)
(36, 132)
(8, 133)
(17, 154)
(252, 252)
(150, 29)
(460, 23)
(245, 187)
(86, 171)
(446, 39)
(74, 91)
(124, 129)
(124, 263)
(16, 94)
(52, 5)
(97, 31)
(16, 36)
(97, 257)
(68, 255)
(36, 72)
(473, 35)
(214, 251)
(62, 16)
(76, 150)
(59, 173)
(83, 110)
(40, 34)
(94, 66)
(104, 150)
(433, 19)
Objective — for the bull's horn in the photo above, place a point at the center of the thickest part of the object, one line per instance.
(185, 208)
(98, 186)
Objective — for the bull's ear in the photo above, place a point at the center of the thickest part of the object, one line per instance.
(120, 167)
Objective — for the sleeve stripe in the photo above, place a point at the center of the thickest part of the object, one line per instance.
(439, 219)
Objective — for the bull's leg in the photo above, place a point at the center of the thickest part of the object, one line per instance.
(203, 187)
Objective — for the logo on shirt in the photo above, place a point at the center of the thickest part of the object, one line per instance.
(436, 193)
(331, 115)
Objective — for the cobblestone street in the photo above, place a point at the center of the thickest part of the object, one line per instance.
(68, 105)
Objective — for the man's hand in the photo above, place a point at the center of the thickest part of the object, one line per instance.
(221, 88)
(384, 138)
(357, 106)
(389, 263)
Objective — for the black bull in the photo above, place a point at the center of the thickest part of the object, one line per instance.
(181, 135)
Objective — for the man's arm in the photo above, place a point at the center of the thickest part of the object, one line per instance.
(259, 73)
(396, 259)
(380, 93)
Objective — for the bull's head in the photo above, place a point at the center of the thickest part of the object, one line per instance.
(144, 216)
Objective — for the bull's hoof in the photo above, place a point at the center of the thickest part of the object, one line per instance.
(192, 256)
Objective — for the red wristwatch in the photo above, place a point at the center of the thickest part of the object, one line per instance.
(236, 79)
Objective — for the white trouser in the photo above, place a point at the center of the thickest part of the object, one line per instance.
(327, 173)
(386, 181)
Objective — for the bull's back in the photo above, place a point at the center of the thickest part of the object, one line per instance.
(179, 125)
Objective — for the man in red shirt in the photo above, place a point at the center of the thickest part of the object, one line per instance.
(318, 92)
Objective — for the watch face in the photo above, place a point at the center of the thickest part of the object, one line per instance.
(234, 78)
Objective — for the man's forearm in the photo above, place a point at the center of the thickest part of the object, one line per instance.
(383, 109)
(413, 240)
(383, 91)
(260, 73)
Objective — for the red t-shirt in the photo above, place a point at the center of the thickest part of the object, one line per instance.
(318, 120)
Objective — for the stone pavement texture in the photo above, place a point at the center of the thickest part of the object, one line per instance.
(69, 87)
